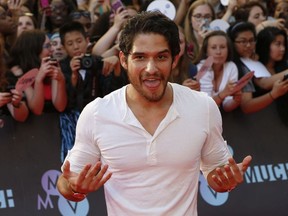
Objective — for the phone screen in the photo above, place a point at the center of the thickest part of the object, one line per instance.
(116, 4)
(45, 3)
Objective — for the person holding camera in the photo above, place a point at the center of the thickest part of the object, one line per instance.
(87, 77)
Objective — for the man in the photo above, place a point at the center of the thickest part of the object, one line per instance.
(152, 135)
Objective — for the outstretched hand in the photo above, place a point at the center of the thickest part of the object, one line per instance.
(226, 178)
(90, 179)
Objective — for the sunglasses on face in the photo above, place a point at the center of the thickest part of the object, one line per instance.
(78, 14)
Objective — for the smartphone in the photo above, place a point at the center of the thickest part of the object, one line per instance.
(53, 61)
(206, 25)
(285, 77)
(116, 4)
(9, 88)
(44, 3)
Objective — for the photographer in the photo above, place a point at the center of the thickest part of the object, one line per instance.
(87, 77)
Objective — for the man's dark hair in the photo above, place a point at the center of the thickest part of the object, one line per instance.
(71, 27)
(149, 22)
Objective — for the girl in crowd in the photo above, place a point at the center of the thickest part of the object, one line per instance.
(26, 21)
(199, 15)
(243, 37)
(32, 50)
(256, 13)
(10, 99)
(56, 15)
(219, 81)
(184, 72)
(271, 48)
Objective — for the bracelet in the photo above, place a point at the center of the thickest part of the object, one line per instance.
(271, 96)
(218, 95)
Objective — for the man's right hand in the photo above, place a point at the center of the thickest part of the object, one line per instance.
(75, 186)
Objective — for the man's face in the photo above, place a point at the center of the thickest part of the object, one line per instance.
(75, 43)
(149, 66)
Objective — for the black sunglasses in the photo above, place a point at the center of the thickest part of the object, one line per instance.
(78, 14)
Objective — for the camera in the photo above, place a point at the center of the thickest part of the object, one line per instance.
(87, 61)
(9, 88)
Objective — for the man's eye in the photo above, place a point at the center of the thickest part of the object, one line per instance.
(139, 57)
(162, 57)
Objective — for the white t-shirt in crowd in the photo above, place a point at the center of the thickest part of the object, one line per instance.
(230, 73)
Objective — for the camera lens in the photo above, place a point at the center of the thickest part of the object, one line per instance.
(87, 62)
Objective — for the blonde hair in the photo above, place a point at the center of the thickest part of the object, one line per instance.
(188, 28)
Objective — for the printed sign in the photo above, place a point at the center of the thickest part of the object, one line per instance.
(26, 80)
(205, 67)
(243, 81)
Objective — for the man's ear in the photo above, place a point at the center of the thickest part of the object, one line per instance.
(123, 60)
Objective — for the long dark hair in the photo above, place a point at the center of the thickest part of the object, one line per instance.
(264, 41)
(27, 49)
(233, 31)
(2, 66)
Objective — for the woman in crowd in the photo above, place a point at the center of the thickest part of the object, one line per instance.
(32, 50)
(107, 40)
(8, 29)
(254, 12)
(219, 81)
(199, 15)
(271, 48)
(243, 37)
(10, 98)
(185, 71)
(26, 21)
(53, 17)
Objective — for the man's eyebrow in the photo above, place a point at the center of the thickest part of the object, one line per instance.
(145, 53)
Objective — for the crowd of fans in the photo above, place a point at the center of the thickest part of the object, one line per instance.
(74, 46)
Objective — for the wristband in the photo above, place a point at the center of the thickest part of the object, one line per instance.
(271, 96)
(218, 95)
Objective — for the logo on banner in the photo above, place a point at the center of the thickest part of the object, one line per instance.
(66, 207)
(6, 199)
(208, 194)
